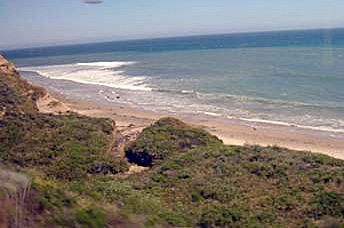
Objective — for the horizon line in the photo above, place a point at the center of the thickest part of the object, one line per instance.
(164, 37)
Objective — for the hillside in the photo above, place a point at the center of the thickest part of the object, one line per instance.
(209, 184)
(60, 171)
(40, 153)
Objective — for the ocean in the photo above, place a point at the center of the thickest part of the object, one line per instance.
(293, 78)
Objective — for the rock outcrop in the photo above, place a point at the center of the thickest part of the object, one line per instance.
(7, 67)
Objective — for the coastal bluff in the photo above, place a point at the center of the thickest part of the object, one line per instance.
(7, 67)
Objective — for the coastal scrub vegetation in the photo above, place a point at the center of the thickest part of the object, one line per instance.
(215, 185)
(42, 155)
(59, 171)
(17, 94)
(165, 137)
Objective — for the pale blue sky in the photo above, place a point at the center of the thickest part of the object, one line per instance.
(26, 23)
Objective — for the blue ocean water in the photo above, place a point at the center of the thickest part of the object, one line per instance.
(293, 77)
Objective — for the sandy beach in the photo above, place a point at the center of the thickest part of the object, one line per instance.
(130, 122)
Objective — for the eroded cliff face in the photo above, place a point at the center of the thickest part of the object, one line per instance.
(16, 94)
(7, 67)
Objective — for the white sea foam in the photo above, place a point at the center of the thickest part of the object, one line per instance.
(96, 73)
(115, 64)
(281, 123)
(266, 121)
(209, 113)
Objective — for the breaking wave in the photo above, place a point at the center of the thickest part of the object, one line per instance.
(94, 73)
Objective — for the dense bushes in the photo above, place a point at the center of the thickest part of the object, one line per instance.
(329, 203)
(67, 147)
(166, 136)
(214, 185)
(56, 150)
(204, 184)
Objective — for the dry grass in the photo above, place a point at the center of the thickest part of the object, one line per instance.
(15, 187)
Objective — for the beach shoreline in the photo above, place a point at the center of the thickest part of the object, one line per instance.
(131, 121)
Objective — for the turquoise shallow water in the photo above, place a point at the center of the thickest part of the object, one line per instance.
(289, 83)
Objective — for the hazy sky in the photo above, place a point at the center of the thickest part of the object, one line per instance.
(45, 22)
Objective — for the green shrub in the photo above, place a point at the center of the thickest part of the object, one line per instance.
(329, 203)
(165, 137)
(218, 216)
(92, 217)
(67, 147)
